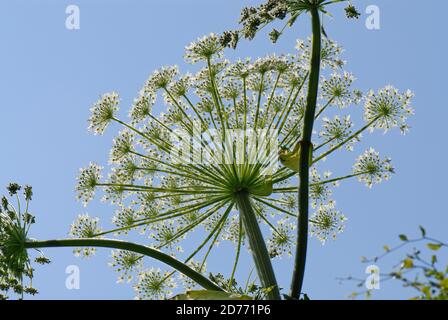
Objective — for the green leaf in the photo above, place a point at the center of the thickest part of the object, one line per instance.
(210, 295)
(427, 291)
(423, 231)
(444, 284)
(408, 264)
(433, 259)
(403, 237)
(434, 246)
(264, 189)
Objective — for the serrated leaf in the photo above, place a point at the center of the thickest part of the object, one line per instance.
(210, 295)
(434, 246)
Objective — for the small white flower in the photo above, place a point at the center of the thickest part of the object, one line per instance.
(240, 69)
(102, 112)
(162, 78)
(180, 87)
(388, 109)
(122, 147)
(337, 89)
(154, 285)
(327, 222)
(88, 179)
(372, 168)
(337, 130)
(142, 107)
(126, 263)
(204, 48)
(85, 226)
(125, 217)
(282, 239)
(319, 192)
(330, 54)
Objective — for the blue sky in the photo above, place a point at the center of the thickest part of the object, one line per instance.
(49, 77)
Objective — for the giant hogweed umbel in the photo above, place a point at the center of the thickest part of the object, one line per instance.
(241, 200)
(234, 200)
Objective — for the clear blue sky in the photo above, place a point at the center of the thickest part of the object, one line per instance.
(49, 77)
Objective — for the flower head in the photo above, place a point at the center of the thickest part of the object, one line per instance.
(337, 89)
(282, 239)
(161, 78)
(126, 263)
(351, 12)
(88, 180)
(153, 284)
(123, 146)
(13, 188)
(204, 49)
(125, 218)
(327, 222)
(388, 108)
(330, 55)
(336, 130)
(103, 112)
(142, 107)
(319, 192)
(85, 226)
(372, 169)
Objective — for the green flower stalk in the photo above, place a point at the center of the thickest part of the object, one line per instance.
(128, 247)
(15, 262)
(306, 150)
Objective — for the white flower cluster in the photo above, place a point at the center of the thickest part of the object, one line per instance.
(372, 169)
(126, 263)
(388, 108)
(85, 226)
(154, 284)
(167, 192)
(327, 222)
(88, 180)
(103, 112)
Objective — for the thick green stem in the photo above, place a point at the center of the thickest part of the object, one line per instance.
(128, 246)
(257, 245)
(304, 165)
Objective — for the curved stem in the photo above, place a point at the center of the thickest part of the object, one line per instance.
(128, 246)
(304, 164)
(257, 245)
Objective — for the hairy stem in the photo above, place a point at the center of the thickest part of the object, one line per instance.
(128, 246)
(257, 245)
(304, 165)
